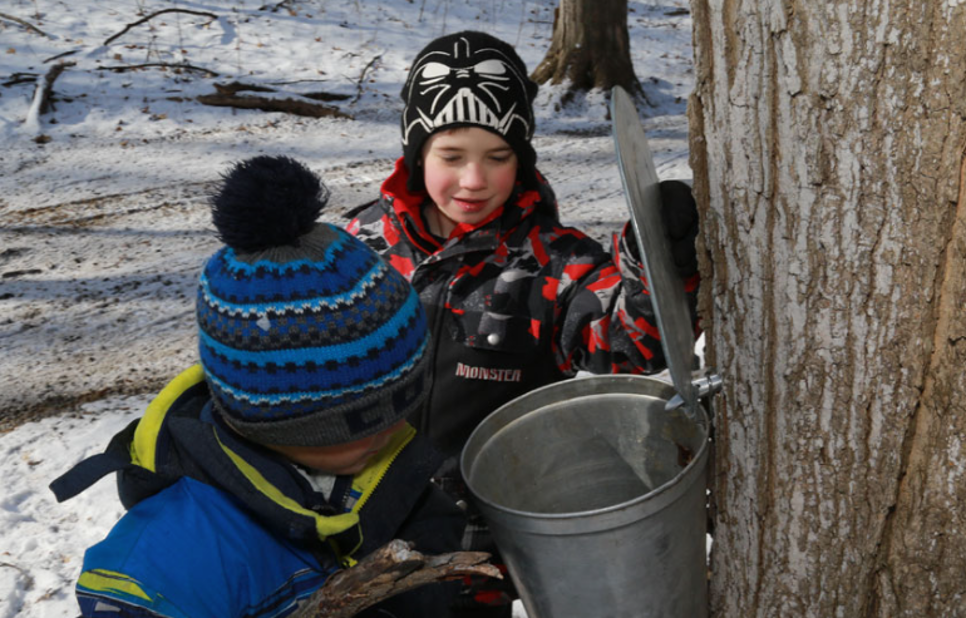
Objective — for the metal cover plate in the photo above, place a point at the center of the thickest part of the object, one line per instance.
(644, 202)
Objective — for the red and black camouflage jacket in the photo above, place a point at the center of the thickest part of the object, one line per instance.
(518, 302)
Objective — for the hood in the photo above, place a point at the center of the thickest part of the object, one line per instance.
(179, 436)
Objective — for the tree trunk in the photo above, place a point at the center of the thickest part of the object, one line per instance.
(827, 142)
(590, 47)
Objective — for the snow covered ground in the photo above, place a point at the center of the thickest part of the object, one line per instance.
(103, 220)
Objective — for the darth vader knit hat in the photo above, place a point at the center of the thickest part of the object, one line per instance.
(469, 79)
(306, 336)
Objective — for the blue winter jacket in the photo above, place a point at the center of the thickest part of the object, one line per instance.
(192, 550)
(220, 527)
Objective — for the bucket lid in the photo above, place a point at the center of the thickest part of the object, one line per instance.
(641, 188)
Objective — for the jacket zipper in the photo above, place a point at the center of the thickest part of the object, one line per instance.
(436, 330)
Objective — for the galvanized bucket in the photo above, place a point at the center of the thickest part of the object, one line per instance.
(596, 497)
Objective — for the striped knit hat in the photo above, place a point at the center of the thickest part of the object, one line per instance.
(307, 337)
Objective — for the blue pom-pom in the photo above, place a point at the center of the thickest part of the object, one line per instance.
(267, 202)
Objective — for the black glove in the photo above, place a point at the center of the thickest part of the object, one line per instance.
(680, 214)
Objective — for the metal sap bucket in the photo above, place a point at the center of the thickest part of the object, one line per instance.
(596, 497)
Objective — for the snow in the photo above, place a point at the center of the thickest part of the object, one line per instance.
(102, 200)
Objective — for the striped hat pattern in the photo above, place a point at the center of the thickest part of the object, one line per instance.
(314, 341)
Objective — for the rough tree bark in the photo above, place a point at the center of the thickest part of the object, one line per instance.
(590, 47)
(827, 142)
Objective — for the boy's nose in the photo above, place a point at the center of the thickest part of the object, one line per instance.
(473, 177)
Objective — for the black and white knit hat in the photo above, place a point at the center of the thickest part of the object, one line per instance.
(306, 336)
(469, 79)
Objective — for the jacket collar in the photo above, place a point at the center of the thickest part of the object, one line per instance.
(185, 438)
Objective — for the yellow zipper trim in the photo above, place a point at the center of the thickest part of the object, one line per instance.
(366, 481)
(324, 526)
(144, 445)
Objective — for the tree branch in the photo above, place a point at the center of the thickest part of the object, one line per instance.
(274, 9)
(166, 65)
(61, 55)
(155, 14)
(236, 87)
(21, 78)
(25, 24)
(386, 572)
(362, 76)
(43, 105)
(227, 97)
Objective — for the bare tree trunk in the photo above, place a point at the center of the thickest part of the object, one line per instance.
(590, 47)
(828, 142)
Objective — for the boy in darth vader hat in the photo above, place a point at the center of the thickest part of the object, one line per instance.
(515, 299)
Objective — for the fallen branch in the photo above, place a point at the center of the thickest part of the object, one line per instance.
(21, 78)
(25, 24)
(288, 105)
(386, 572)
(151, 65)
(46, 87)
(274, 9)
(236, 87)
(155, 14)
(62, 55)
(362, 76)
(326, 96)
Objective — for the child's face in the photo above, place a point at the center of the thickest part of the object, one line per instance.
(348, 458)
(469, 173)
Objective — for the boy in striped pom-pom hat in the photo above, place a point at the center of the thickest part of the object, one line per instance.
(284, 455)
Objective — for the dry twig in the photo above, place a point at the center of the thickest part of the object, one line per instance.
(61, 55)
(155, 14)
(228, 97)
(48, 85)
(165, 65)
(25, 24)
(386, 572)
(20, 78)
(274, 9)
(236, 87)
(362, 76)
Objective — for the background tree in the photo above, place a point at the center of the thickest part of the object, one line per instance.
(827, 142)
(590, 47)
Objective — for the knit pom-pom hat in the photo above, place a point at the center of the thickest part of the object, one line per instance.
(469, 79)
(306, 336)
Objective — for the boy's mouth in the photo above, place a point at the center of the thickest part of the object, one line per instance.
(469, 204)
